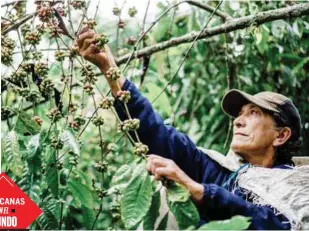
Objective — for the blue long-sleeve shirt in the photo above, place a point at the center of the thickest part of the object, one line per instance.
(218, 202)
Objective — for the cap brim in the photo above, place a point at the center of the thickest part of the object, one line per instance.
(234, 100)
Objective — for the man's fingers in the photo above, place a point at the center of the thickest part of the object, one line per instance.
(87, 42)
(160, 173)
(154, 162)
(83, 30)
(92, 49)
(152, 156)
(82, 37)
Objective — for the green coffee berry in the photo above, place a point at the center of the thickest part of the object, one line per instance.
(101, 40)
(98, 121)
(129, 125)
(60, 55)
(113, 73)
(101, 166)
(132, 11)
(78, 4)
(106, 103)
(54, 114)
(140, 149)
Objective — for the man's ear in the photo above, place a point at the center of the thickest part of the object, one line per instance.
(282, 136)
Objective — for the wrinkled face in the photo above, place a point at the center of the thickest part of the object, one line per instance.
(254, 131)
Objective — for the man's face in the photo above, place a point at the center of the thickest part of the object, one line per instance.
(254, 131)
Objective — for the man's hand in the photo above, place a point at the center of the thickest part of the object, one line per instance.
(103, 59)
(88, 49)
(161, 167)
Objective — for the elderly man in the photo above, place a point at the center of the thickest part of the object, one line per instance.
(265, 126)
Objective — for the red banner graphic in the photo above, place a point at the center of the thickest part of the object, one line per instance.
(17, 210)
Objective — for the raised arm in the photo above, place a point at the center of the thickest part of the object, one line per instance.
(162, 140)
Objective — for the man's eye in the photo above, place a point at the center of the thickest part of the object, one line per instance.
(254, 112)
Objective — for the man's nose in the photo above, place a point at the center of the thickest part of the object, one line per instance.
(239, 122)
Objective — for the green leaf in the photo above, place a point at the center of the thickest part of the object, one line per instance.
(122, 175)
(177, 193)
(235, 223)
(25, 125)
(121, 178)
(81, 193)
(88, 217)
(136, 199)
(153, 212)
(69, 140)
(48, 219)
(33, 146)
(300, 65)
(163, 223)
(52, 172)
(12, 152)
(185, 213)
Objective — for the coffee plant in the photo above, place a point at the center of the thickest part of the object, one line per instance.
(62, 140)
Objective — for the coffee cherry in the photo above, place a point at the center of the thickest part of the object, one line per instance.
(106, 103)
(47, 87)
(41, 69)
(131, 41)
(33, 37)
(101, 166)
(113, 73)
(74, 126)
(36, 55)
(44, 11)
(124, 96)
(129, 125)
(55, 31)
(112, 147)
(98, 121)
(73, 160)
(37, 120)
(90, 23)
(140, 149)
(116, 11)
(72, 108)
(121, 24)
(101, 40)
(88, 88)
(56, 143)
(132, 11)
(80, 120)
(7, 47)
(89, 74)
(6, 56)
(54, 114)
(27, 67)
(60, 55)
(78, 4)
(19, 77)
(7, 42)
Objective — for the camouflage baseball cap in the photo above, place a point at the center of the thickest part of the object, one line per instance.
(234, 99)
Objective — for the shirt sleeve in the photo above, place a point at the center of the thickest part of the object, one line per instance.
(219, 203)
(166, 141)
